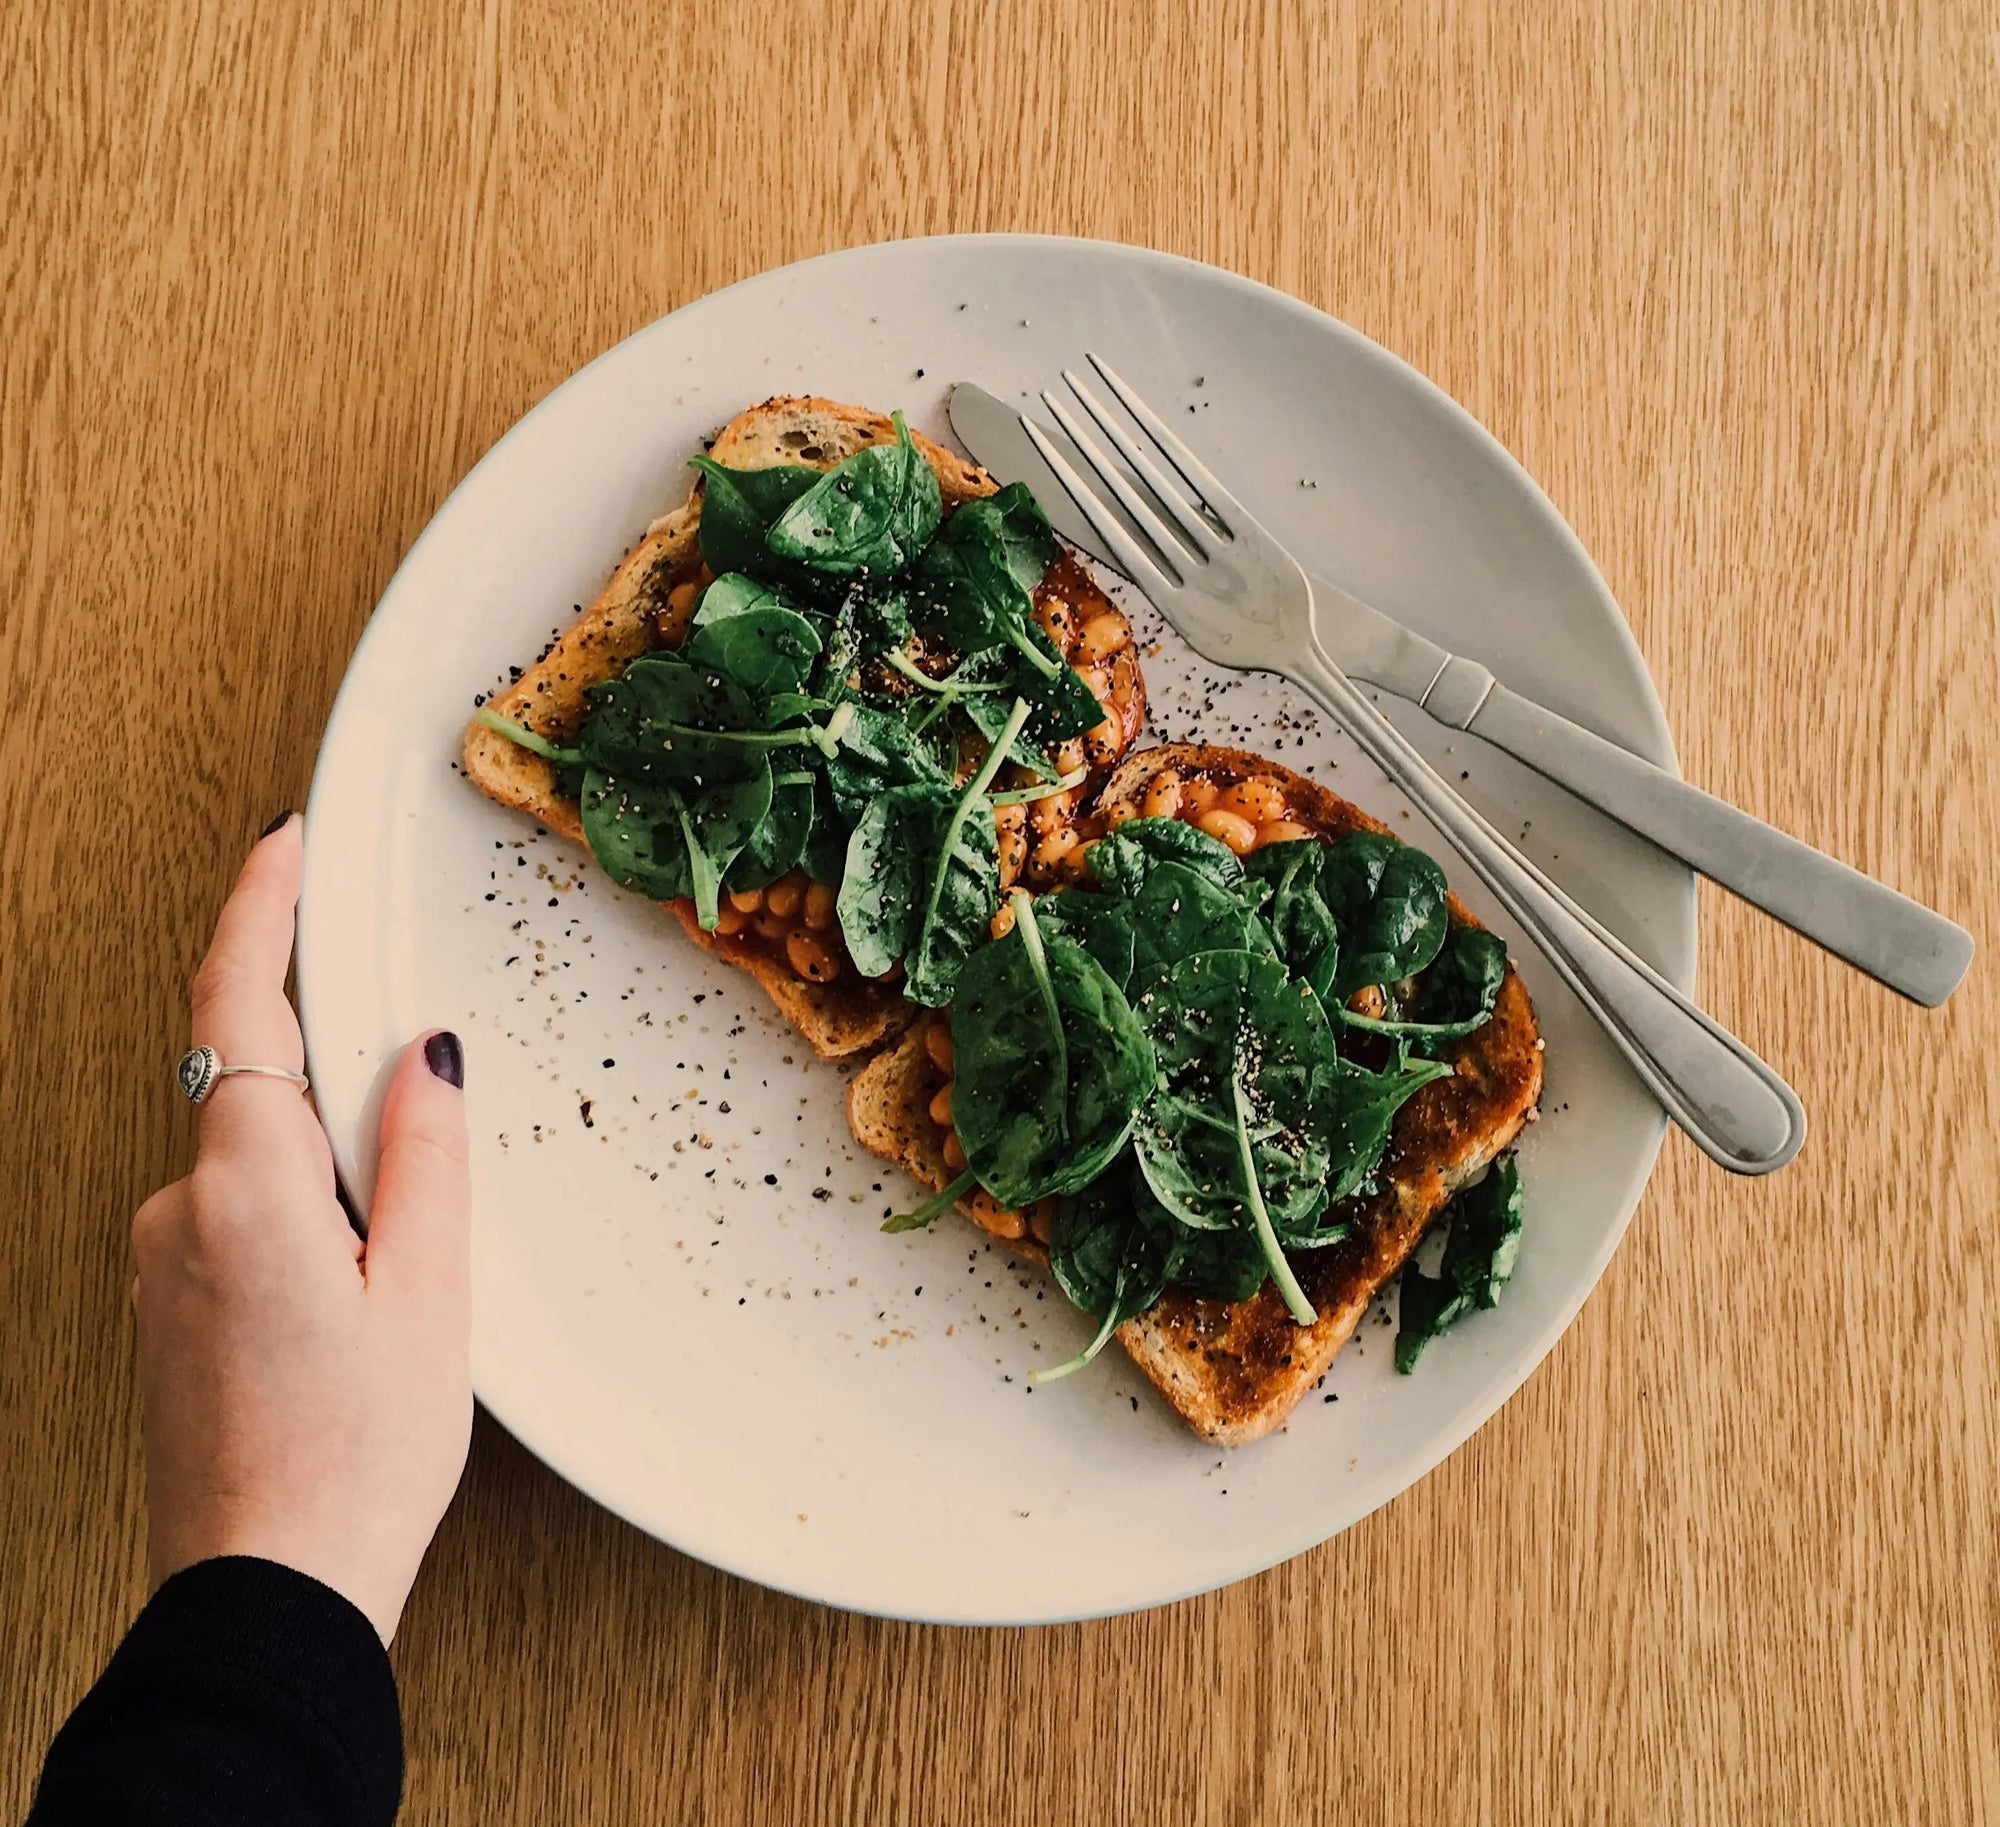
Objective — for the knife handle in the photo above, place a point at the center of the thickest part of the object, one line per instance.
(1894, 939)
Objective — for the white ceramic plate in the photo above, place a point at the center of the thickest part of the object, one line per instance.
(683, 1302)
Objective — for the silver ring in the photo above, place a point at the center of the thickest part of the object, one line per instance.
(201, 1069)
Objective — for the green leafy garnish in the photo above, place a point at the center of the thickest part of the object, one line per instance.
(1112, 1255)
(1479, 1257)
(739, 507)
(1050, 1064)
(749, 633)
(870, 515)
(1388, 902)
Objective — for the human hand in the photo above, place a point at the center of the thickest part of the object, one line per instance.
(307, 1397)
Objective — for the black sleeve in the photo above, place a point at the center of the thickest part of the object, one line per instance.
(245, 1692)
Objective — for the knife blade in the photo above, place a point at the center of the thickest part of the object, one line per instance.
(1362, 641)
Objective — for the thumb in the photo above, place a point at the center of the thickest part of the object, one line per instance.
(419, 1226)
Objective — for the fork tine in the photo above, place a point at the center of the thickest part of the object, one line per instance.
(1199, 532)
(1230, 514)
(1152, 573)
(1172, 555)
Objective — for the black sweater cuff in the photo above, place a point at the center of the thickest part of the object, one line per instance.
(246, 1691)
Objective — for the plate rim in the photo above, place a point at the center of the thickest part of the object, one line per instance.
(1659, 747)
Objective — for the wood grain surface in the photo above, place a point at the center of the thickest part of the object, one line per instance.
(1722, 276)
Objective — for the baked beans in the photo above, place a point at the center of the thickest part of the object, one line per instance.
(820, 907)
(1054, 850)
(941, 1106)
(937, 1043)
(1050, 813)
(994, 1218)
(1281, 831)
(1257, 799)
(809, 956)
(786, 895)
(1233, 829)
(1103, 635)
(1163, 795)
(1053, 617)
(672, 618)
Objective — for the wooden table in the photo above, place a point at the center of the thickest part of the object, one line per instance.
(1722, 277)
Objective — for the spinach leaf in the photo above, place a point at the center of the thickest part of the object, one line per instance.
(1355, 1110)
(1232, 1139)
(825, 856)
(976, 582)
(679, 781)
(1124, 859)
(881, 620)
(987, 708)
(1301, 924)
(658, 717)
(747, 631)
(666, 839)
(1479, 1257)
(739, 507)
(883, 874)
(1049, 1064)
(964, 871)
(1459, 990)
(1176, 913)
(978, 576)
(922, 1217)
(1100, 923)
(782, 837)
(1217, 1265)
(922, 877)
(869, 515)
(1064, 705)
(877, 752)
(1110, 1255)
(1388, 902)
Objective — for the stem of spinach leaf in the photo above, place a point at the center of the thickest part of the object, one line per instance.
(526, 738)
(900, 662)
(825, 737)
(703, 875)
(1020, 796)
(1035, 657)
(1293, 1295)
(975, 793)
(934, 1207)
(1056, 1371)
(1038, 961)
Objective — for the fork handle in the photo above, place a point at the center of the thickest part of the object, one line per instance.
(1733, 1106)
(1897, 941)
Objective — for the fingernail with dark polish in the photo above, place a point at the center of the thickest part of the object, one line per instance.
(446, 1058)
(276, 824)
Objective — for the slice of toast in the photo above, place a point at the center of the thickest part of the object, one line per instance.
(1235, 1370)
(837, 1019)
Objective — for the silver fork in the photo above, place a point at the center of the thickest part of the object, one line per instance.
(1241, 600)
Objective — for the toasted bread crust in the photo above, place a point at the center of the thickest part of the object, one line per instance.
(1235, 1370)
(839, 1019)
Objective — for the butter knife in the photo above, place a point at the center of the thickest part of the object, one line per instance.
(1894, 939)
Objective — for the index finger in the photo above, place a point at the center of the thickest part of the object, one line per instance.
(239, 1003)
